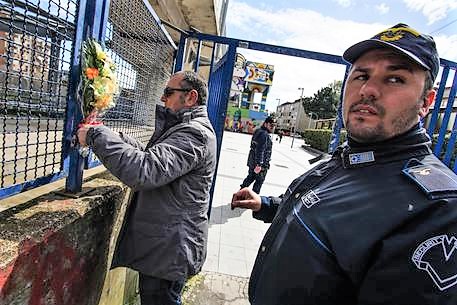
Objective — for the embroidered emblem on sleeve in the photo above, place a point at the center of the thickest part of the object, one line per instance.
(438, 257)
(309, 199)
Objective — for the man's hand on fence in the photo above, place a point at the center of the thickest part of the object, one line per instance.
(81, 134)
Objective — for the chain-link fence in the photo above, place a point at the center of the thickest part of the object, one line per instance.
(37, 43)
(35, 50)
(144, 59)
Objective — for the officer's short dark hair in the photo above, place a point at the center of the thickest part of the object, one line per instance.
(270, 119)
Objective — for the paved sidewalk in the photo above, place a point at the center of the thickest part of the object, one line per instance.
(234, 236)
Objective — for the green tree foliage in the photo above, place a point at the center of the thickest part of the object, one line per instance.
(325, 102)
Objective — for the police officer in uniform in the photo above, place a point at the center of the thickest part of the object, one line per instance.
(376, 223)
(259, 155)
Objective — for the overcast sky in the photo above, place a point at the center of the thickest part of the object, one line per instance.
(330, 26)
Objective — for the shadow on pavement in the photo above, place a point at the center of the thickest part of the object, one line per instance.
(220, 214)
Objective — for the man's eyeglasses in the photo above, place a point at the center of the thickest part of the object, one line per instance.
(168, 91)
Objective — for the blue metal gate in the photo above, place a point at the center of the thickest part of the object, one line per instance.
(444, 140)
(219, 80)
(40, 48)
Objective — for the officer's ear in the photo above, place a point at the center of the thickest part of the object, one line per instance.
(428, 100)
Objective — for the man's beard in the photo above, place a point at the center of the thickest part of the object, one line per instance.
(377, 133)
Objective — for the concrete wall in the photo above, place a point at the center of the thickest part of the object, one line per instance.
(56, 249)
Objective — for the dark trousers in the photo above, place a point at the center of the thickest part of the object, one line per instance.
(155, 291)
(258, 178)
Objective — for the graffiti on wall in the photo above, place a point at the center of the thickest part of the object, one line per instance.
(259, 73)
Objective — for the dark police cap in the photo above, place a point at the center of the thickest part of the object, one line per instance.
(419, 47)
(270, 119)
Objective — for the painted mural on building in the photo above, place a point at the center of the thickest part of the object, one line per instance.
(251, 83)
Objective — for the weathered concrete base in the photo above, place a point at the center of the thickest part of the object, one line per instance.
(121, 284)
(121, 287)
(54, 250)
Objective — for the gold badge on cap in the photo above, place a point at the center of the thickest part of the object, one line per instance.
(394, 34)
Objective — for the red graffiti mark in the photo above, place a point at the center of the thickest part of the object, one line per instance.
(4, 274)
(56, 274)
(59, 272)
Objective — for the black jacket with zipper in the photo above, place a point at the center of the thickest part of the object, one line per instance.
(261, 147)
(371, 225)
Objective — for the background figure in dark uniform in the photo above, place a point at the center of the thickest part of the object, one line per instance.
(259, 155)
(375, 223)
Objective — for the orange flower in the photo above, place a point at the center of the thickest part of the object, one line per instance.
(91, 73)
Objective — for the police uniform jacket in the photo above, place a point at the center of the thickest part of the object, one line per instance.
(165, 228)
(261, 146)
(372, 225)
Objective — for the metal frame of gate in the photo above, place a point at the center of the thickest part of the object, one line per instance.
(221, 72)
(31, 156)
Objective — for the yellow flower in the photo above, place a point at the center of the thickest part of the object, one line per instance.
(104, 85)
(114, 83)
(110, 86)
(101, 55)
(98, 86)
(106, 70)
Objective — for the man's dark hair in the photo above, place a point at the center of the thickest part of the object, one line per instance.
(428, 84)
(270, 119)
(192, 80)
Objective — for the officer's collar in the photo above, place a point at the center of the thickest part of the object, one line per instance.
(413, 143)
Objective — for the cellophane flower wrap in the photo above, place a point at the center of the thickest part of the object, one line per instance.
(98, 82)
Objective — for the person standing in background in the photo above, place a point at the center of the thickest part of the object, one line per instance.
(259, 155)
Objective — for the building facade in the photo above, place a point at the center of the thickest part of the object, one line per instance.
(206, 16)
(291, 117)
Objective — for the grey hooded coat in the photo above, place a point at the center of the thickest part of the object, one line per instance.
(165, 228)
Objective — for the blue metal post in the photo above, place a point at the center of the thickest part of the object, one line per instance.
(453, 137)
(218, 110)
(447, 116)
(179, 61)
(92, 18)
(197, 60)
(212, 63)
(336, 134)
(438, 99)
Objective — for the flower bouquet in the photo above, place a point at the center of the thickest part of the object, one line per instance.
(98, 86)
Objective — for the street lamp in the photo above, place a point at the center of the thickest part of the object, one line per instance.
(297, 119)
(310, 114)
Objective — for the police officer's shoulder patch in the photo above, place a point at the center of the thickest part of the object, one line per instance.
(432, 179)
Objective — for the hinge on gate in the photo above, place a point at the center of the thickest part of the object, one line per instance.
(243, 44)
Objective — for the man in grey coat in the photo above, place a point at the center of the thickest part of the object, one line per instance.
(165, 229)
